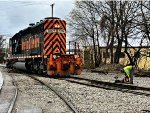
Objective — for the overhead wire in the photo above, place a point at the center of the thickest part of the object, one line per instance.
(19, 4)
(13, 4)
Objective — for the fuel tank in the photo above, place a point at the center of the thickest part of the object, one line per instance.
(21, 65)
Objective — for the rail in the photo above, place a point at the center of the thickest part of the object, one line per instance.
(108, 85)
(12, 104)
(119, 85)
(69, 104)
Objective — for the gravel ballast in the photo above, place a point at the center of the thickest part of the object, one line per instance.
(31, 95)
(97, 100)
(86, 99)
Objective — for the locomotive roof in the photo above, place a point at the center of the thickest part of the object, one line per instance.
(28, 29)
(25, 31)
(52, 18)
(22, 32)
(16, 35)
(37, 24)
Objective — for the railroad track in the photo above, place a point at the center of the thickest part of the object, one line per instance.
(69, 104)
(108, 85)
(13, 101)
(105, 85)
(12, 94)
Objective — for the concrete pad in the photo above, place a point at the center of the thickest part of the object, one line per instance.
(7, 93)
(4, 107)
(8, 89)
(7, 80)
(1, 80)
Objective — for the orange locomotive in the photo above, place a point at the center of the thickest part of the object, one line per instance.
(41, 48)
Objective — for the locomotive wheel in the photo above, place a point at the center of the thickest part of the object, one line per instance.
(40, 71)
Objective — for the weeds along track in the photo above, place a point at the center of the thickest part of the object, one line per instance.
(109, 85)
(69, 104)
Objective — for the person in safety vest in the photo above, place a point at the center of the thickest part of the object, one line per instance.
(128, 71)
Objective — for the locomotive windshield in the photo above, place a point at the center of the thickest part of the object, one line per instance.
(51, 30)
(61, 31)
(54, 30)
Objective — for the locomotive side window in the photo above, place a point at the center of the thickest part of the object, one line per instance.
(51, 30)
(24, 45)
(61, 31)
(14, 41)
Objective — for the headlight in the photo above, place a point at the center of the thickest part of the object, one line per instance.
(76, 56)
(54, 56)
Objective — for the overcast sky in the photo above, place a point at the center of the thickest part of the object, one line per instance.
(17, 14)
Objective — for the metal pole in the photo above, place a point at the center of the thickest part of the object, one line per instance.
(52, 8)
(69, 47)
(5, 51)
(75, 48)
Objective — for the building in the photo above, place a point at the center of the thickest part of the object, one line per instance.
(143, 61)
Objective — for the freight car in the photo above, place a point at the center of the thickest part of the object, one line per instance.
(41, 48)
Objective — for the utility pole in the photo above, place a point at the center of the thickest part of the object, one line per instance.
(5, 52)
(52, 8)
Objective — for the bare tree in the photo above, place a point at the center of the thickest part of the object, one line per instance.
(2, 54)
(145, 23)
(121, 22)
(120, 26)
(84, 20)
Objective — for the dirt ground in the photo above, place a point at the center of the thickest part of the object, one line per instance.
(107, 68)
